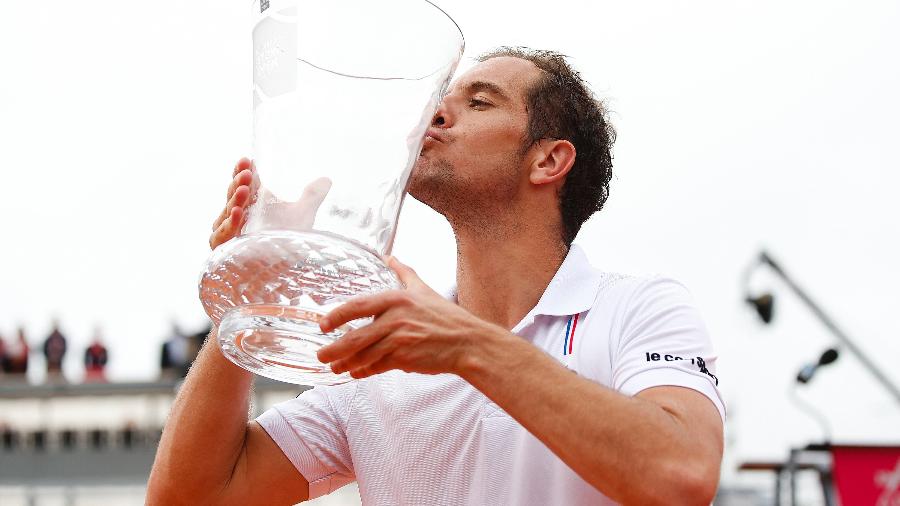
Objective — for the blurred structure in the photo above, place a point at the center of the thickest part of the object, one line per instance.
(54, 352)
(73, 441)
(95, 358)
(764, 305)
(846, 473)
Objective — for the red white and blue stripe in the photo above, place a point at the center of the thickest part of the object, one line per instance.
(570, 334)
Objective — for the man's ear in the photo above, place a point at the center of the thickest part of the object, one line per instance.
(553, 160)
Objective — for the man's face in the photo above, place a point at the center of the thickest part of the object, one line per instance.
(472, 157)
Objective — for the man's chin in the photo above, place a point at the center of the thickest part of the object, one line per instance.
(423, 190)
(415, 190)
(429, 180)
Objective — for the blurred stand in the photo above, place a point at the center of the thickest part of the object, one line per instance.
(80, 438)
(804, 376)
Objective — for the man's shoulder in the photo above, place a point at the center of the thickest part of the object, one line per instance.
(616, 283)
(632, 292)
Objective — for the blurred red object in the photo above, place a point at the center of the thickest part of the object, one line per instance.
(867, 474)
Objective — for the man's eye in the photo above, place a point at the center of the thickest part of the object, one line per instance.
(476, 102)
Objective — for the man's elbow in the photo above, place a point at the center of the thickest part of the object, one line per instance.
(691, 484)
(678, 484)
(162, 489)
(701, 486)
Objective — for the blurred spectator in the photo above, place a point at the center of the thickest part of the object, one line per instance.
(16, 360)
(95, 358)
(180, 350)
(175, 358)
(54, 352)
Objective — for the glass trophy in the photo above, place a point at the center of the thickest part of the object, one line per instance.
(343, 91)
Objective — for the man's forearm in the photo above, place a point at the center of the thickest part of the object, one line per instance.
(205, 431)
(631, 449)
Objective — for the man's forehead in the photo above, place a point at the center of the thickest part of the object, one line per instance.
(513, 75)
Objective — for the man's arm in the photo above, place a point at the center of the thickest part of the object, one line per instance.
(210, 454)
(663, 446)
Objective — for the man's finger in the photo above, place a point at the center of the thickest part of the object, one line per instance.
(354, 347)
(240, 198)
(359, 307)
(316, 191)
(243, 164)
(407, 275)
(222, 216)
(242, 178)
(385, 364)
(228, 229)
(218, 234)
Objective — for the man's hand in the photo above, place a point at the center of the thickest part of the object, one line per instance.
(415, 330)
(241, 194)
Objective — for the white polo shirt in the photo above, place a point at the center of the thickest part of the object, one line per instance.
(413, 439)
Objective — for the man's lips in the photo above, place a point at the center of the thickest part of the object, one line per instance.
(434, 134)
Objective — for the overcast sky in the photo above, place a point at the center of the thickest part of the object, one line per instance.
(742, 125)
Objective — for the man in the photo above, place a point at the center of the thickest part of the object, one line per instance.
(544, 382)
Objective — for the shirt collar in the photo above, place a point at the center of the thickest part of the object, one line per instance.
(571, 291)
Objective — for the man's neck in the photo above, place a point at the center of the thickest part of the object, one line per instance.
(501, 276)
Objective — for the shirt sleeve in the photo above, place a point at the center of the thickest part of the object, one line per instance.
(311, 431)
(663, 342)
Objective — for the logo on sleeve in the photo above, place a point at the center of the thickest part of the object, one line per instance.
(697, 361)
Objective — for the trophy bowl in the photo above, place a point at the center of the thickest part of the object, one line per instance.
(343, 92)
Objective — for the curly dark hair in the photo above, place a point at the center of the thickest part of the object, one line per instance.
(561, 106)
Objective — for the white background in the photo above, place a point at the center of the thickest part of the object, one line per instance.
(742, 125)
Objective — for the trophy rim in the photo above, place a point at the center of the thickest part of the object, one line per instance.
(452, 61)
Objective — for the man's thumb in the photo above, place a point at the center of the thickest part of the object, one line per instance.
(407, 275)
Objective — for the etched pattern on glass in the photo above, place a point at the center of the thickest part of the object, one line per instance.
(313, 271)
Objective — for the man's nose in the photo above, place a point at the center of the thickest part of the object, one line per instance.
(442, 118)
